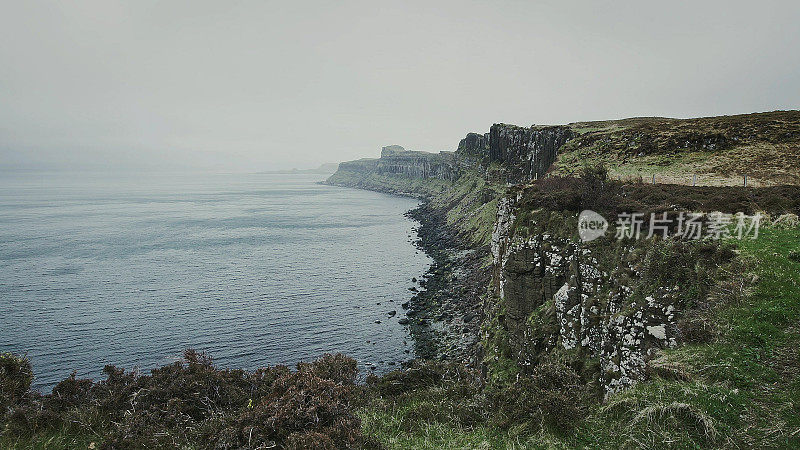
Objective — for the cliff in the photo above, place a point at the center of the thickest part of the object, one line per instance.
(613, 302)
(602, 305)
(396, 161)
(399, 171)
(525, 154)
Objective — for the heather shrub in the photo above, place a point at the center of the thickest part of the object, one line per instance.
(552, 395)
(301, 402)
(16, 376)
(191, 403)
(424, 374)
(70, 393)
(337, 368)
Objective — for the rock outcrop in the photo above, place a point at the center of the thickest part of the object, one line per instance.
(395, 160)
(526, 153)
(556, 296)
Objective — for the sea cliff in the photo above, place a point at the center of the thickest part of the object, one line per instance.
(510, 199)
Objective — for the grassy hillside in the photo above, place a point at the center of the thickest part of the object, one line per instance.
(718, 150)
(740, 390)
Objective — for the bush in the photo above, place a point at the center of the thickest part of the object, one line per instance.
(70, 393)
(303, 402)
(553, 395)
(192, 403)
(16, 376)
(422, 375)
(337, 368)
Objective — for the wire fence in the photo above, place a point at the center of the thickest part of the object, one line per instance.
(694, 180)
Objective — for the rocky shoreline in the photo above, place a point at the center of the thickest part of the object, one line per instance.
(445, 314)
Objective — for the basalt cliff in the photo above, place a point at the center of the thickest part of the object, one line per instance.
(525, 153)
(511, 198)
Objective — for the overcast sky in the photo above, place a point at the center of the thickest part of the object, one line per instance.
(263, 85)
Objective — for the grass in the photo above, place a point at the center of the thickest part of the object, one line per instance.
(471, 205)
(718, 150)
(724, 168)
(63, 438)
(740, 390)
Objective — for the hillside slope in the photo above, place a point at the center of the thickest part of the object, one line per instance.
(718, 150)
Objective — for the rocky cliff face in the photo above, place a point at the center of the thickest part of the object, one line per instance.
(395, 160)
(611, 304)
(527, 153)
(557, 295)
(524, 154)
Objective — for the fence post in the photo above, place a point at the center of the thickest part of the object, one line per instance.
(745, 181)
(654, 178)
(694, 180)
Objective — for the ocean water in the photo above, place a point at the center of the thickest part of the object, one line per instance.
(254, 269)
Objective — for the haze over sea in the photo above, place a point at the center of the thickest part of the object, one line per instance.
(255, 269)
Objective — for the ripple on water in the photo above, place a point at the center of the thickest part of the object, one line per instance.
(255, 269)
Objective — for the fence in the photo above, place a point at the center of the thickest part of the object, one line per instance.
(675, 179)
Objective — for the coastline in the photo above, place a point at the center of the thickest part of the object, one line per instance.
(445, 313)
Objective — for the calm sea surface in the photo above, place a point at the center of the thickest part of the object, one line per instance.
(254, 269)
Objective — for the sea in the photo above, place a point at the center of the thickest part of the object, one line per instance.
(131, 269)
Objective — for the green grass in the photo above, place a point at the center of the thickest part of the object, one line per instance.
(741, 390)
(427, 419)
(51, 439)
(471, 206)
(745, 385)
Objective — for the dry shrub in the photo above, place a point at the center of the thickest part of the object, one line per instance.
(70, 393)
(678, 414)
(338, 368)
(696, 327)
(302, 402)
(310, 440)
(612, 197)
(192, 403)
(552, 395)
(16, 376)
(425, 374)
(667, 370)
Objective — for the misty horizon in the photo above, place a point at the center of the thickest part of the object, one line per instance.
(272, 86)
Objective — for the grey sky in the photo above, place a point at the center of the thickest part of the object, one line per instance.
(260, 85)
